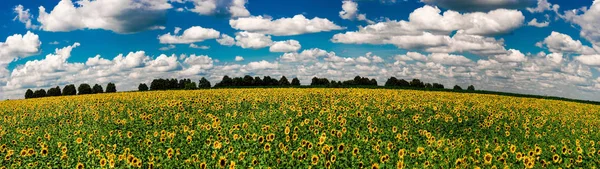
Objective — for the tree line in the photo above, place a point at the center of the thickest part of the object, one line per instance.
(245, 81)
(70, 89)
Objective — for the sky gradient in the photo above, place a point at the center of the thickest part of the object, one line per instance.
(542, 47)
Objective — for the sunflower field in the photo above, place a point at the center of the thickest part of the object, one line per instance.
(298, 128)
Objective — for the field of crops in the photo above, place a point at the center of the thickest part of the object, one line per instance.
(298, 128)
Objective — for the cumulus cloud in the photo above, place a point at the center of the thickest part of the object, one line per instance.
(24, 16)
(543, 5)
(480, 5)
(190, 35)
(284, 26)
(226, 40)
(18, 46)
(513, 56)
(428, 19)
(561, 43)
(234, 8)
(591, 60)
(285, 46)
(588, 21)
(252, 40)
(239, 58)
(535, 23)
(126, 16)
(350, 12)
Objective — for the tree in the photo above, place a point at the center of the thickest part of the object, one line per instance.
(69, 90)
(456, 87)
(226, 81)
(97, 89)
(84, 88)
(258, 81)
(428, 85)
(438, 86)
(284, 81)
(471, 88)
(110, 88)
(416, 83)
(295, 82)
(191, 86)
(143, 87)
(39, 93)
(319, 81)
(28, 94)
(53, 91)
(392, 81)
(204, 84)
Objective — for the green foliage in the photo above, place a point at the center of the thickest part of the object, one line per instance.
(84, 88)
(111, 88)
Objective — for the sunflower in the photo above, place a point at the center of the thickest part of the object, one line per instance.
(513, 148)
(556, 158)
(401, 153)
(217, 145)
(80, 166)
(314, 159)
(341, 148)
(400, 164)
(355, 151)
(102, 162)
(44, 152)
(267, 147)
(232, 165)
(78, 140)
(375, 166)
(487, 158)
(332, 158)
(222, 162)
(420, 150)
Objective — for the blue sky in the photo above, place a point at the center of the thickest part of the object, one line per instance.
(336, 47)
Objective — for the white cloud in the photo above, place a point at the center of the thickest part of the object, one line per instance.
(190, 35)
(591, 60)
(285, 46)
(304, 56)
(448, 59)
(163, 63)
(562, 43)
(43, 72)
(199, 47)
(283, 26)
(238, 9)
(588, 21)
(239, 58)
(350, 12)
(535, 23)
(165, 48)
(542, 5)
(428, 19)
(18, 46)
(263, 64)
(235, 8)
(24, 16)
(226, 40)
(252, 40)
(513, 56)
(479, 5)
(125, 16)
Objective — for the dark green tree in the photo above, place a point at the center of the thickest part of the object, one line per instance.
(456, 87)
(191, 86)
(28, 94)
(143, 87)
(295, 82)
(39, 93)
(84, 88)
(204, 84)
(471, 88)
(97, 89)
(111, 88)
(284, 81)
(53, 91)
(69, 90)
